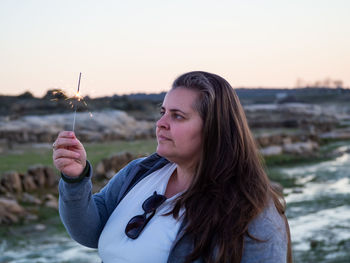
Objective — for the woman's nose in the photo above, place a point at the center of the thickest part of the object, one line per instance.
(163, 122)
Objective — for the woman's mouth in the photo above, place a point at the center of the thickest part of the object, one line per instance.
(163, 138)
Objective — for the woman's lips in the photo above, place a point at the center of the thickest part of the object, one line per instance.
(163, 138)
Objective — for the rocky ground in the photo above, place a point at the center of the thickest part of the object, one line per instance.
(291, 128)
(306, 120)
(22, 194)
(296, 129)
(89, 127)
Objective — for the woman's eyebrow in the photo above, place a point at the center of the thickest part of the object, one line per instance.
(174, 110)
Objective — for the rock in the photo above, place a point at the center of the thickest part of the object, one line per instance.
(102, 126)
(38, 174)
(28, 183)
(271, 150)
(52, 204)
(43, 136)
(10, 211)
(119, 160)
(51, 201)
(89, 136)
(31, 217)
(49, 197)
(303, 148)
(287, 140)
(339, 134)
(100, 168)
(291, 115)
(297, 190)
(277, 139)
(11, 182)
(263, 140)
(39, 227)
(51, 177)
(3, 190)
(314, 244)
(108, 167)
(27, 198)
(109, 175)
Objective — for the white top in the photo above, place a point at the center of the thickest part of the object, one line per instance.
(154, 242)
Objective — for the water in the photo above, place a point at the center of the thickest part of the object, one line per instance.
(318, 212)
(47, 249)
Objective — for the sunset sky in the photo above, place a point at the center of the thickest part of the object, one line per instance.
(141, 46)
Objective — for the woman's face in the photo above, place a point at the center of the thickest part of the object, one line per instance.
(179, 129)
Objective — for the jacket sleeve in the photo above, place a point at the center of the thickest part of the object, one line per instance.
(270, 228)
(83, 214)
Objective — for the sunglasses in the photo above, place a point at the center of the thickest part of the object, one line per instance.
(136, 224)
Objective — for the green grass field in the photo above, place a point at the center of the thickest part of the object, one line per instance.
(23, 156)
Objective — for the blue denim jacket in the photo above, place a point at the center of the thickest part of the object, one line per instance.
(84, 215)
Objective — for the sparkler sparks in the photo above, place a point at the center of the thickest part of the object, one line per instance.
(73, 101)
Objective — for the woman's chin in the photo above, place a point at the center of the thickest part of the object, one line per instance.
(162, 152)
(159, 152)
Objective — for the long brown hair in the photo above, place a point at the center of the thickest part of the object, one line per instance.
(230, 187)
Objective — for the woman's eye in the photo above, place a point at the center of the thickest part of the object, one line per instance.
(161, 113)
(178, 117)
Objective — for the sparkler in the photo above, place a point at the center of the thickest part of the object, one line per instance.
(72, 100)
(78, 97)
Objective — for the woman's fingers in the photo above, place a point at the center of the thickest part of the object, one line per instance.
(69, 155)
(64, 162)
(63, 142)
(67, 139)
(64, 153)
(70, 167)
(61, 163)
(66, 134)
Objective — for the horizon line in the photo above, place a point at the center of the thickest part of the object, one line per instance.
(155, 93)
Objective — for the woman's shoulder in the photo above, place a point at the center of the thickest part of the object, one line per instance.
(271, 241)
(268, 224)
(136, 169)
(123, 173)
(145, 162)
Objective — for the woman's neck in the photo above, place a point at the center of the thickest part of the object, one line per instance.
(179, 181)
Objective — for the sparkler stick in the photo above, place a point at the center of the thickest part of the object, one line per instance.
(77, 95)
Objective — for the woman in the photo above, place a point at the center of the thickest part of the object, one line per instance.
(203, 197)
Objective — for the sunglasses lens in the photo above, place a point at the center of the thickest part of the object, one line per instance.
(137, 223)
(134, 227)
(153, 202)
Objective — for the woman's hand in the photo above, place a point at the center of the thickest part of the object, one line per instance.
(69, 155)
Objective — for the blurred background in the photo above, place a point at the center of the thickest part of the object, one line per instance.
(287, 60)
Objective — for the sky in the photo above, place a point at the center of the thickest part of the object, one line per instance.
(123, 47)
